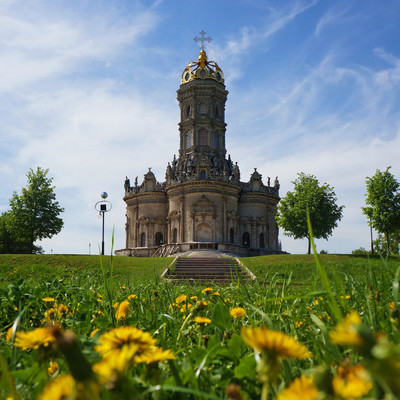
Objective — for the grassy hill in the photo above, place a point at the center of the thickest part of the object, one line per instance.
(301, 268)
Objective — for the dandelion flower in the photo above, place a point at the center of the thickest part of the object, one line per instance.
(352, 382)
(94, 331)
(275, 343)
(346, 332)
(181, 299)
(61, 310)
(207, 290)
(202, 320)
(59, 388)
(114, 365)
(53, 367)
(40, 337)
(132, 297)
(301, 388)
(9, 334)
(157, 354)
(237, 312)
(48, 299)
(123, 310)
(201, 304)
(113, 341)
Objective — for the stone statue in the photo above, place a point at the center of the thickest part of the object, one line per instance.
(127, 184)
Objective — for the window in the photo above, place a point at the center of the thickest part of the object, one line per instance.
(216, 139)
(188, 110)
(203, 108)
(189, 139)
(231, 236)
(262, 241)
(217, 111)
(142, 239)
(203, 175)
(174, 235)
(203, 139)
(246, 239)
(159, 239)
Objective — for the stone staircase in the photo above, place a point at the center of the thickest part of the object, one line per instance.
(206, 269)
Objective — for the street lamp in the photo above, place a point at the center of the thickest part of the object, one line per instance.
(102, 207)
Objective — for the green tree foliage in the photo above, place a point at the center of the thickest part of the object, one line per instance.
(319, 200)
(383, 204)
(34, 214)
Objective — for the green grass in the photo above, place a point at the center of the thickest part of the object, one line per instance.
(14, 267)
(208, 356)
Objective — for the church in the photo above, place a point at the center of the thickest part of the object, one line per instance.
(202, 203)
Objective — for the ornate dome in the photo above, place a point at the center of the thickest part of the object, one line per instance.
(202, 69)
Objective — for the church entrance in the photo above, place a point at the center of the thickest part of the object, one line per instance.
(203, 233)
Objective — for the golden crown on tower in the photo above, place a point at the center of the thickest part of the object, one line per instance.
(202, 68)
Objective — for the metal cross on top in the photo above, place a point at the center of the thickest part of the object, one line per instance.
(202, 39)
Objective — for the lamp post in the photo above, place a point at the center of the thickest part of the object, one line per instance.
(102, 207)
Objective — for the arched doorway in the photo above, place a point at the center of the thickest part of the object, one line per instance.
(159, 239)
(262, 241)
(231, 236)
(246, 239)
(142, 239)
(175, 235)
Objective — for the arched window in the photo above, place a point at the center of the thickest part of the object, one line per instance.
(215, 139)
(203, 139)
(217, 111)
(231, 236)
(142, 239)
(189, 139)
(246, 239)
(203, 175)
(203, 108)
(159, 239)
(175, 236)
(188, 110)
(262, 241)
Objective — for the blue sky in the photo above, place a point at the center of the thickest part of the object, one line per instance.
(88, 90)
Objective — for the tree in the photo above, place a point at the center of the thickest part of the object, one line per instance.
(34, 215)
(321, 203)
(383, 199)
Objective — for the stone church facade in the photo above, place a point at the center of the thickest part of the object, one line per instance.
(202, 204)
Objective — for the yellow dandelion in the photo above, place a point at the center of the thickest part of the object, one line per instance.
(114, 340)
(298, 324)
(123, 287)
(94, 331)
(201, 304)
(392, 305)
(185, 307)
(352, 382)
(275, 343)
(123, 310)
(237, 312)
(59, 388)
(300, 389)
(115, 305)
(207, 290)
(53, 367)
(346, 332)
(202, 320)
(132, 297)
(157, 354)
(48, 299)
(316, 302)
(215, 294)
(116, 364)
(9, 334)
(194, 298)
(62, 310)
(40, 337)
(181, 299)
